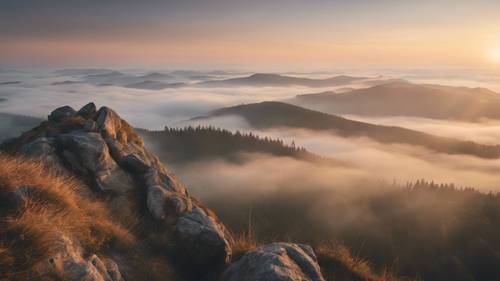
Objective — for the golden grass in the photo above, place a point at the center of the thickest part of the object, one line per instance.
(242, 243)
(52, 205)
(337, 263)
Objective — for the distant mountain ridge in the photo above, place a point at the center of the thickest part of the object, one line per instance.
(407, 99)
(10, 83)
(277, 80)
(153, 85)
(268, 115)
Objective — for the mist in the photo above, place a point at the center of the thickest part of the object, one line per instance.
(367, 200)
(36, 95)
(486, 132)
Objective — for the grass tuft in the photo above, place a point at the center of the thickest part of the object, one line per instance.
(39, 208)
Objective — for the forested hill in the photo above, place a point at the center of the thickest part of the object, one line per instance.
(431, 230)
(181, 145)
(267, 115)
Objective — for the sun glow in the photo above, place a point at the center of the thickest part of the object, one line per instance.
(494, 55)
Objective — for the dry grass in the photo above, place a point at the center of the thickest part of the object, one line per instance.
(337, 263)
(37, 207)
(242, 243)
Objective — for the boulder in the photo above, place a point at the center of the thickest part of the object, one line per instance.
(276, 262)
(87, 110)
(87, 154)
(110, 124)
(61, 113)
(156, 201)
(89, 125)
(203, 238)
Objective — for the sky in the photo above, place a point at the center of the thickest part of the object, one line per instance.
(255, 33)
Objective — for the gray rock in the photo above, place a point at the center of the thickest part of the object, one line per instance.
(136, 163)
(156, 201)
(89, 125)
(87, 154)
(177, 204)
(87, 110)
(276, 262)
(61, 113)
(203, 239)
(111, 157)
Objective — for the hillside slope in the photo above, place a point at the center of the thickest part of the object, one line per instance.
(185, 145)
(426, 229)
(267, 115)
(65, 233)
(406, 99)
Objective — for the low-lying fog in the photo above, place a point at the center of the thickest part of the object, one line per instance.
(487, 132)
(35, 95)
(367, 159)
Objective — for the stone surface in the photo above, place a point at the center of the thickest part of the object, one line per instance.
(87, 154)
(276, 262)
(61, 113)
(156, 201)
(203, 238)
(89, 125)
(110, 124)
(87, 110)
(104, 151)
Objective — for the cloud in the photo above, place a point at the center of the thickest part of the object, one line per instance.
(487, 132)
(369, 159)
(142, 108)
(36, 96)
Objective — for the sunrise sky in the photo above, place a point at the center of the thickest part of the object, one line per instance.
(254, 33)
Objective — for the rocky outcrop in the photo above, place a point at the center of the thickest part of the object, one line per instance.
(61, 113)
(276, 262)
(102, 149)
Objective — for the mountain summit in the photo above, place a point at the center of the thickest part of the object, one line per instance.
(86, 200)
